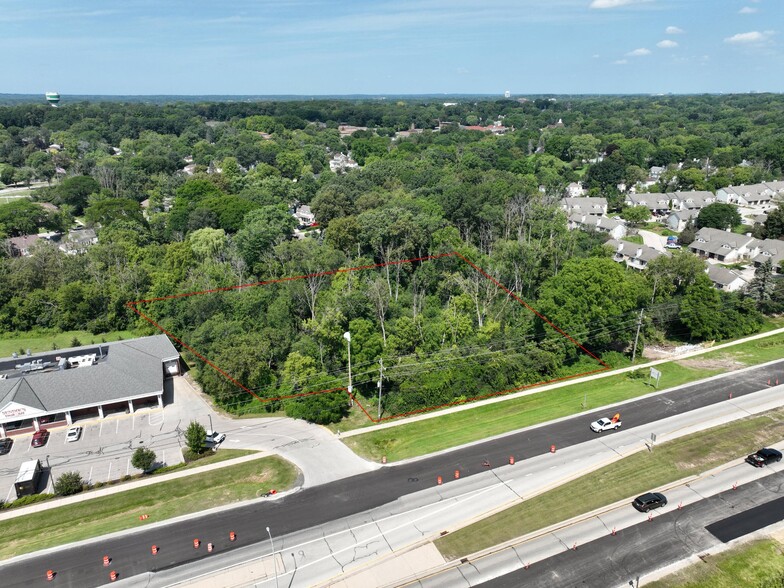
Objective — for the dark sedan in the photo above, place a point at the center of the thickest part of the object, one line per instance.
(5, 445)
(763, 457)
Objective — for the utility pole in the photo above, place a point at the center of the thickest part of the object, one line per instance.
(637, 335)
(380, 378)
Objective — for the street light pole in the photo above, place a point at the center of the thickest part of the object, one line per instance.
(380, 378)
(347, 337)
(274, 561)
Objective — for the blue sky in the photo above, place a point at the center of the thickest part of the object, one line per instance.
(313, 47)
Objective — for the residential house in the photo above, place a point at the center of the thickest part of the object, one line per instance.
(616, 229)
(770, 249)
(754, 195)
(304, 216)
(692, 200)
(724, 279)
(20, 246)
(678, 219)
(592, 206)
(722, 245)
(78, 241)
(777, 187)
(633, 255)
(346, 130)
(575, 190)
(658, 204)
(340, 163)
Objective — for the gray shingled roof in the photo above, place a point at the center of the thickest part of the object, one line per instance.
(721, 275)
(131, 369)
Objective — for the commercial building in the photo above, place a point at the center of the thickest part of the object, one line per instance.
(58, 388)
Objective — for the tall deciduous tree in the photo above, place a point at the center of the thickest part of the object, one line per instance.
(594, 300)
(718, 216)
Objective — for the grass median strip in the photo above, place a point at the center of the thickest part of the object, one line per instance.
(631, 475)
(162, 501)
(758, 564)
(454, 429)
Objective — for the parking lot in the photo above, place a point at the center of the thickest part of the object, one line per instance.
(103, 450)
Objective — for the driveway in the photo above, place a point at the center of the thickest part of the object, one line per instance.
(653, 240)
(312, 448)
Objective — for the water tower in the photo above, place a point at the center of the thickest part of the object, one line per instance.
(53, 98)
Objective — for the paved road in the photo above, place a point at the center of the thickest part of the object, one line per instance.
(667, 539)
(81, 565)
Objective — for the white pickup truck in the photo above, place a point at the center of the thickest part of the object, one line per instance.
(606, 424)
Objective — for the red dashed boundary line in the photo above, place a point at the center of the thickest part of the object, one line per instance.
(134, 306)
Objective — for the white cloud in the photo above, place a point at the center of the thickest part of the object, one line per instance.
(747, 10)
(666, 44)
(621, 62)
(615, 3)
(673, 30)
(639, 52)
(750, 38)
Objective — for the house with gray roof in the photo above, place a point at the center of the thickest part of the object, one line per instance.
(723, 245)
(633, 255)
(724, 279)
(587, 205)
(678, 219)
(770, 249)
(616, 229)
(78, 241)
(691, 200)
(658, 204)
(46, 389)
(754, 195)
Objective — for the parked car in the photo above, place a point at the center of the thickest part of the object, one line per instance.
(5, 445)
(73, 434)
(215, 438)
(763, 457)
(40, 437)
(649, 501)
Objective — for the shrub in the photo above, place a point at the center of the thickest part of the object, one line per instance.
(68, 483)
(195, 437)
(31, 499)
(143, 459)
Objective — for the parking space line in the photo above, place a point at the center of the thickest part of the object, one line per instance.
(133, 422)
(100, 430)
(117, 428)
(108, 476)
(8, 496)
(128, 467)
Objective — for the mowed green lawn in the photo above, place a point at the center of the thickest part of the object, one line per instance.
(636, 474)
(758, 565)
(165, 500)
(39, 342)
(452, 430)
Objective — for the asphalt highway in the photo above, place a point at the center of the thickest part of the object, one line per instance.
(82, 566)
(644, 548)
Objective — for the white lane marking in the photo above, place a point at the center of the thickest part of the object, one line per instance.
(100, 430)
(109, 475)
(90, 475)
(117, 428)
(445, 505)
(128, 467)
(8, 496)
